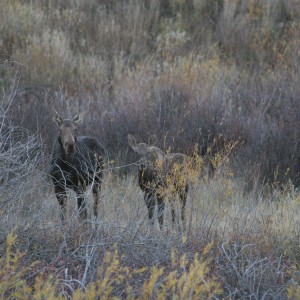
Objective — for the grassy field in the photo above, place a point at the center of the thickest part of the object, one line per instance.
(221, 77)
(244, 245)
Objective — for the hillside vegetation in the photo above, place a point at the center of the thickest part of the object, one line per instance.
(216, 79)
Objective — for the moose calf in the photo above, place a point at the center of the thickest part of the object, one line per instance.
(159, 176)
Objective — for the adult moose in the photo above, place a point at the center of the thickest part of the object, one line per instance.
(159, 176)
(76, 162)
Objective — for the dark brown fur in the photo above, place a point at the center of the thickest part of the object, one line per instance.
(156, 176)
(76, 162)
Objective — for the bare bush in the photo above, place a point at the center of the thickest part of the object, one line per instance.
(248, 275)
(20, 157)
(261, 113)
(189, 71)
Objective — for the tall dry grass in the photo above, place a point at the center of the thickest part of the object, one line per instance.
(254, 251)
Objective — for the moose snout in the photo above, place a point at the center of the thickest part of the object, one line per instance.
(69, 148)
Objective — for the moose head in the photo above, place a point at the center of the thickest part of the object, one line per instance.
(148, 151)
(68, 131)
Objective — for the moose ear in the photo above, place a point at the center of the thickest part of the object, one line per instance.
(152, 140)
(56, 118)
(78, 119)
(131, 140)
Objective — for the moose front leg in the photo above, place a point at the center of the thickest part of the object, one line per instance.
(150, 203)
(61, 196)
(97, 187)
(81, 204)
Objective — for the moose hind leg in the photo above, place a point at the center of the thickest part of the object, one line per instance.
(183, 197)
(173, 212)
(96, 188)
(160, 211)
(97, 177)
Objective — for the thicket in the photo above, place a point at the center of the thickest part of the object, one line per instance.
(201, 72)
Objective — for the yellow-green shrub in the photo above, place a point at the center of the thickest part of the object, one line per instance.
(184, 279)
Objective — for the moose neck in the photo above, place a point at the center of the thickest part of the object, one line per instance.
(152, 160)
